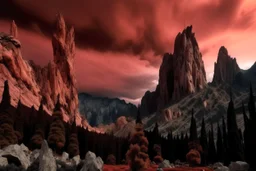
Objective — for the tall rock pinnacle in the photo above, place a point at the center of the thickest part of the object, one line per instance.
(181, 73)
(14, 29)
(225, 69)
(31, 83)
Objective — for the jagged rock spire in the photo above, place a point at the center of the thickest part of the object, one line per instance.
(14, 29)
(225, 68)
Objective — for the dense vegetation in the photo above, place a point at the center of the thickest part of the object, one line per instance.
(230, 144)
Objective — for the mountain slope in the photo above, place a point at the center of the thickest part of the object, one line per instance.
(103, 110)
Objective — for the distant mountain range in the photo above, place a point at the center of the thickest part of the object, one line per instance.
(103, 110)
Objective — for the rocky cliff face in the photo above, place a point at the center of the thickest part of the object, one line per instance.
(102, 110)
(31, 83)
(182, 72)
(225, 69)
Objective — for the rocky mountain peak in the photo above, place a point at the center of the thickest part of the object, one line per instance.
(225, 68)
(31, 83)
(181, 73)
(14, 29)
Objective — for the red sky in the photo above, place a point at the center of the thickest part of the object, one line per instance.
(120, 43)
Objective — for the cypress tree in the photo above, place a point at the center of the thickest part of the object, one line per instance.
(193, 128)
(56, 138)
(204, 143)
(7, 133)
(39, 134)
(225, 141)
(6, 98)
(251, 105)
(138, 119)
(235, 150)
(212, 149)
(19, 123)
(220, 146)
(73, 146)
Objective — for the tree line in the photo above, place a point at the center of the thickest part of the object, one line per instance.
(30, 127)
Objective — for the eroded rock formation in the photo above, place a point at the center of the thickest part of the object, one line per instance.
(226, 68)
(180, 74)
(31, 83)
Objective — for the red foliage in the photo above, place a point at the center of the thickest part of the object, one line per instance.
(193, 157)
(195, 145)
(56, 138)
(111, 159)
(158, 159)
(137, 156)
(73, 147)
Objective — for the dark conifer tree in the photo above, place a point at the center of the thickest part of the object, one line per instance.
(251, 105)
(220, 146)
(250, 131)
(204, 143)
(6, 98)
(39, 134)
(73, 146)
(193, 128)
(235, 149)
(56, 138)
(138, 119)
(212, 150)
(7, 133)
(246, 135)
(19, 123)
(225, 141)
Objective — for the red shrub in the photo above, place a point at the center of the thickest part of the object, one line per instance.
(193, 157)
(111, 159)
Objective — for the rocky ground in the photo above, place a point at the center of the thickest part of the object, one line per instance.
(20, 158)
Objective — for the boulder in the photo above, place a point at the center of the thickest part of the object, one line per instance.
(76, 160)
(64, 156)
(3, 161)
(239, 166)
(46, 159)
(15, 154)
(222, 168)
(165, 164)
(92, 163)
(34, 155)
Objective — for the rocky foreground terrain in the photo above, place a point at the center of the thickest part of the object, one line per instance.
(31, 83)
(20, 158)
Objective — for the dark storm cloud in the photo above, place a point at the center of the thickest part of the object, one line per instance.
(134, 26)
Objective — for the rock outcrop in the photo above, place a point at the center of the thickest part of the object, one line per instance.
(46, 158)
(16, 154)
(226, 68)
(182, 72)
(92, 163)
(31, 83)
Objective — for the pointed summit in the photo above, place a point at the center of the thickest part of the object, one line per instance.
(226, 68)
(180, 74)
(14, 29)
